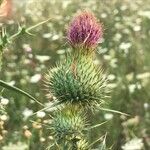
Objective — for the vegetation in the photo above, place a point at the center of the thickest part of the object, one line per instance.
(33, 41)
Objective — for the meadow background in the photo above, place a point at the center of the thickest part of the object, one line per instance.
(124, 54)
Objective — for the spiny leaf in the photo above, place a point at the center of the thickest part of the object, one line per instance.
(103, 145)
(99, 139)
(97, 125)
(23, 30)
(114, 111)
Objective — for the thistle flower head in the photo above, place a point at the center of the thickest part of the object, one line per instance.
(84, 31)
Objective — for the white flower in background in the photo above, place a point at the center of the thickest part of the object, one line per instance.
(42, 58)
(117, 36)
(102, 40)
(125, 46)
(42, 139)
(132, 88)
(103, 15)
(113, 63)
(96, 62)
(4, 101)
(3, 117)
(137, 28)
(65, 4)
(126, 31)
(123, 7)
(41, 114)
(145, 14)
(130, 76)
(27, 48)
(116, 11)
(47, 35)
(138, 20)
(30, 55)
(112, 85)
(118, 25)
(1, 138)
(61, 51)
(55, 37)
(143, 75)
(35, 78)
(107, 57)
(146, 106)
(111, 77)
(102, 50)
(117, 19)
(134, 144)
(11, 83)
(16, 146)
(27, 113)
(27, 61)
(108, 116)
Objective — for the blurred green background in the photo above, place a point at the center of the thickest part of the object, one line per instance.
(124, 54)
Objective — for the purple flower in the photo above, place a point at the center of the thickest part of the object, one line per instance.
(84, 30)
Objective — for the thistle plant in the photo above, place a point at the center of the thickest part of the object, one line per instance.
(77, 81)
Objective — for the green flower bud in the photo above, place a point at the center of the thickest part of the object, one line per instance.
(68, 123)
(78, 81)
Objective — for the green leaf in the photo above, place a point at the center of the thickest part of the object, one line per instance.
(17, 90)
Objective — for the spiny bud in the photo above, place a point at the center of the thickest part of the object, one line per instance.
(77, 81)
(83, 145)
(68, 123)
(84, 31)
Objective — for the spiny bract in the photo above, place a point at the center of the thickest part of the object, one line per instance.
(83, 145)
(77, 80)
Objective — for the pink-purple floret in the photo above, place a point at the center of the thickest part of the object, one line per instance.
(85, 30)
